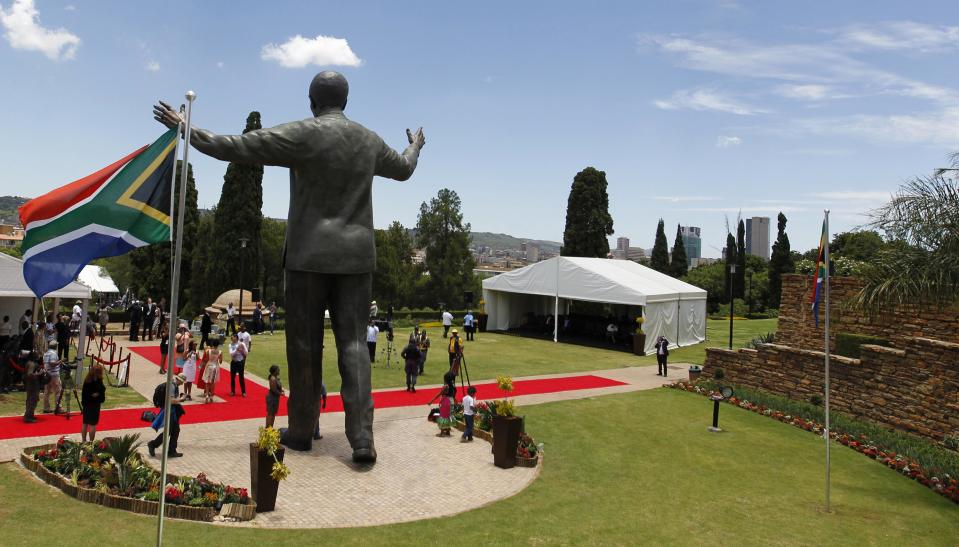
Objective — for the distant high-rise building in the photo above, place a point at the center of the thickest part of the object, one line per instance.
(692, 240)
(757, 237)
(622, 243)
(636, 254)
(532, 252)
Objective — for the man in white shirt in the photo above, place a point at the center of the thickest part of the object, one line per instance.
(447, 322)
(245, 337)
(75, 318)
(6, 331)
(51, 364)
(469, 325)
(371, 331)
(469, 414)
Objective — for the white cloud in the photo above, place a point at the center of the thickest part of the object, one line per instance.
(893, 35)
(810, 92)
(70, 7)
(723, 141)
(940, 127)
(153, 66)
(298, 52)
(219, 64)
(853, 196)
(705, 99)
(23, 31)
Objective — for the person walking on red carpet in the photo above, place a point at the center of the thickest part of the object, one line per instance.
(412, 356)
(93, 396)
(213, 358)
(273, 395)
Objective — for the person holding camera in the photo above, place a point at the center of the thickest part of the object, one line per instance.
(51, 366)
(31, 383)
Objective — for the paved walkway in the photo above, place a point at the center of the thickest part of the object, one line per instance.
(325, 489)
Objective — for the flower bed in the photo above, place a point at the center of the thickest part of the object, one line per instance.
(111, 473)
(527, 454)
(944, 485)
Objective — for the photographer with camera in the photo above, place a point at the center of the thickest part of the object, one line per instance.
(51, 367)
(31, 384)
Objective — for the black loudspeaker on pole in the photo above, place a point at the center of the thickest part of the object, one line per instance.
(468, 297)
(255, 293)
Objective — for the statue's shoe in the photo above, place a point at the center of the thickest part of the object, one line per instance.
(364, 454)
(294, 444)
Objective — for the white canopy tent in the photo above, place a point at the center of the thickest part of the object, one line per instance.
(16, 296)
(671, 308)
(98, 279)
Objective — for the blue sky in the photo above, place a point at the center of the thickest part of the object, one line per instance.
(695, 110)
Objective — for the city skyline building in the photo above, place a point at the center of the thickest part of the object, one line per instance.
(757, 237)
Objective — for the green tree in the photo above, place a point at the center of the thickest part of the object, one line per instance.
(272, 245)
(859, 245)
(203, 263)
(238, 215)
(781, 261)
(739, 281)
(395, 272)
(12, 251)
(659, 259)
(730, 260)
(679, 264)
(711, 278)
(440, 231)
(588, 222)
(151, 265)
(924, 214)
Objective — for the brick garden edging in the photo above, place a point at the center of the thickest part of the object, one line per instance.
(136, 505)
(946, 486)
(488, 437)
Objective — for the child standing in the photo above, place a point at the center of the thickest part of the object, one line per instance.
(189, 370)
(273, 395)
(445, 421)
(213, 358)
(469, 414)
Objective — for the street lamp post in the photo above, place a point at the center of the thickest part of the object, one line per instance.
(732, 272)
(243, 241)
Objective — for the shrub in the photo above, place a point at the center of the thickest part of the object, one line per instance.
(849, 345)
(951, 442)
(816, 400)
(719, 374)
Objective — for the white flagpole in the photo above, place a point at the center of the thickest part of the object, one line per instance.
(174, 307)
(826, 347)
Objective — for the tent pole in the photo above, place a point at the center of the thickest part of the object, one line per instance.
(678, 318)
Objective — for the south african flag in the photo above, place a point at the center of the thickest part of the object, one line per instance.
(111, 212)
(820, 273)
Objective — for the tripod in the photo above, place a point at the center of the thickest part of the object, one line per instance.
(449, 379)
(389, 350)
(69, 383)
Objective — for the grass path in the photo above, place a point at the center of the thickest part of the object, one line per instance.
(492, 354)
(634, 468)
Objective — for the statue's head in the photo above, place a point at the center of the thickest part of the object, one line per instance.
(328, 89)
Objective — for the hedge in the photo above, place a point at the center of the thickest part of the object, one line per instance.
(848, 344)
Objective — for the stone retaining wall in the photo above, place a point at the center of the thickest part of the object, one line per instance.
(798, 329)
(913, 387)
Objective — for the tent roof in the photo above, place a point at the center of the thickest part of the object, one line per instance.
(13, 284)
(97, 279)
(595, 280)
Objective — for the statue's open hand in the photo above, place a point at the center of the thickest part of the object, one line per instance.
(166, 115)
(418, 139)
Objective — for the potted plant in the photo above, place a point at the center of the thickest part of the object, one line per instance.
(639, 338)
(266, 468)
(506, 427)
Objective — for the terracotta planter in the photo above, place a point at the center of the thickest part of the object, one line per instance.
(506, 431)
(527, 462)
(263, 488)
(694, 374)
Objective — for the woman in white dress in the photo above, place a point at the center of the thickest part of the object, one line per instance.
(189, 370)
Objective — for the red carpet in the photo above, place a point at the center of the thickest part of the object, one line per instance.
(254, 405)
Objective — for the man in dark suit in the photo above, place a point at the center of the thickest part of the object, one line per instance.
(330, 255)
(136, 312)
(206, 326)
(662, 353)
(149, 314)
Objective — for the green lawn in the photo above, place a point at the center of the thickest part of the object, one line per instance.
(13, 403)
(492, 354)
(635, 468)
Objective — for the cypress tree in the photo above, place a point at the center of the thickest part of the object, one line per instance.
(739, 282)
(730, 259)
(679, 265)
(780, 262)
(659, 260)
(588, 221)
(238, 215)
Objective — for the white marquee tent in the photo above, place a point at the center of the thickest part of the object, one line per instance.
(98, 279)
(16, 296)
(671, 308)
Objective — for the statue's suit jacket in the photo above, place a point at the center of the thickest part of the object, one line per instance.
(332, 163)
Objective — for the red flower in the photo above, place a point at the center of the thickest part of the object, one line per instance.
(61, 441)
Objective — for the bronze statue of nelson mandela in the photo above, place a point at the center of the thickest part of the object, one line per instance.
(329, 256)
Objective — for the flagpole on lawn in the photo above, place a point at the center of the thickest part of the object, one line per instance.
(174, 306)
(826, 346)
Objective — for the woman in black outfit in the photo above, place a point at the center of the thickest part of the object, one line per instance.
(92, 397)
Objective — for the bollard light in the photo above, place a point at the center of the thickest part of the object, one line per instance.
(724, 393)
